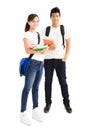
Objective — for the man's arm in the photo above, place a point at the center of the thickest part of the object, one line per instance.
(68, 41)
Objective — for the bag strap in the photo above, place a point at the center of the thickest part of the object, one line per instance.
(62, 33)
(38, 35)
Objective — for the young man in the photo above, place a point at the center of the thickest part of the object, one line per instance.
(55, 59)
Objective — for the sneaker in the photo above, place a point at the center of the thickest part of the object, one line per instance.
(68, 108)
(36, 115)
(24, 118)
(47, 108)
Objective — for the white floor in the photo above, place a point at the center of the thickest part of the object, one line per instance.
(56, 118)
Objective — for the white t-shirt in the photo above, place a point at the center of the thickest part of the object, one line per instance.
(33, 39)
(55, 34)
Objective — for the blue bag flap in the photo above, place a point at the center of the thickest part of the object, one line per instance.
(23, 66)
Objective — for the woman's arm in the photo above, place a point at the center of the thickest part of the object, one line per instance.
(30, 50)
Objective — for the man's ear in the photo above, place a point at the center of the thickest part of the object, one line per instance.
(50, 17)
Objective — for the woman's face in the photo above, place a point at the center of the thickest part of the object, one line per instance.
(34, 23)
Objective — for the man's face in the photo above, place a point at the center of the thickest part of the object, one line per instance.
(55, 17)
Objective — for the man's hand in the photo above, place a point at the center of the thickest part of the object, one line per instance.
(64, 59)
(52, 47)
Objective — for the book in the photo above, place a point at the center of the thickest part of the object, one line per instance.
(40, 47)
(47, 41)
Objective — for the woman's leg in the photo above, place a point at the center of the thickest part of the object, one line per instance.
(36, 84)
(29, 80)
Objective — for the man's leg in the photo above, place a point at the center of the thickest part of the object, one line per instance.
(49, 68)
(61, 73)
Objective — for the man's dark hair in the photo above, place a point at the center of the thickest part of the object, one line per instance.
(55, 10)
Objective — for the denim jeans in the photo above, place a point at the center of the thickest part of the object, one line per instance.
(32, 80)
(60, 68)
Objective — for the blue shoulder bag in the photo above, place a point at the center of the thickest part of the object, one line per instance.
(25, 62)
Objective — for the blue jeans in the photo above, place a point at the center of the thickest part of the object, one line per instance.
(32, 80)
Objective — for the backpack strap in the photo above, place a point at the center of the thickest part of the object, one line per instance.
(62, 33)
(47, 31)
(38, 43)
(61, 30)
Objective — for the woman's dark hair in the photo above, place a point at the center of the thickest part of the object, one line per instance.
(30, 18)
(55, 10)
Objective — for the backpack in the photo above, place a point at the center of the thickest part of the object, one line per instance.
(25, 62)
(61, 30)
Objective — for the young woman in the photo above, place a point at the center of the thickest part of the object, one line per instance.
(34, 74)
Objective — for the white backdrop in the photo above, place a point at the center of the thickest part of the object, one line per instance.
(13, 15)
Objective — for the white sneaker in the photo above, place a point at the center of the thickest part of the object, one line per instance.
(36, 115)
(24, 118)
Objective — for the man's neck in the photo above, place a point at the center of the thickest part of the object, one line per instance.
(55, 25)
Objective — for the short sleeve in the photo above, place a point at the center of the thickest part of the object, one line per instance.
(67, 33)
(26, 35)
